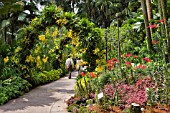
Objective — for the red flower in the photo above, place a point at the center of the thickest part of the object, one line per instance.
(111, 63)
(162, 20)
(152, 26)
(128, 55)
(147, 59)
(140, 66)
(138, 82)
(135, 56)
(154, 42)
(82, 74)
(115, 60)
(128, 64)
(92, 75)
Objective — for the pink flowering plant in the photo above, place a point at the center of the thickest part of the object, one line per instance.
(126, 94)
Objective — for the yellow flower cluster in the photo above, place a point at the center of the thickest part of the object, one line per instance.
(18, 49)
(45, 59)
(47, 32)
(62, 21)
(15, 60)
(99, 68)
(74, 41)
(56, 44)
(42, 38)
(96, 50)
(6, 59)
(55, 33)
(83, 50)
(70, 33)
(51, 51)
(85, 63)
(67, 45)
(38, 62)
(29, 59)
(24, 67)
(37, 49)
(26, 40)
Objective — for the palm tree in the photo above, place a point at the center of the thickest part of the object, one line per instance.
(14, 14)
(148, 33)
(164, 13)
(102, 12)
(8, 17)
(149, 12)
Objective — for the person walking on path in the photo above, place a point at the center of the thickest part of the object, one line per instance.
(69, 63)
(79, 64)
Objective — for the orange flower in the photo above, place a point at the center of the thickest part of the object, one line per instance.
(92, 75)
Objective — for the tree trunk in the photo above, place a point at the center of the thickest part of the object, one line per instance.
(162, 30)
(5, 34)
(148, 33)
(119, 49)
(161, 16)
(149, 11)
(163, 10)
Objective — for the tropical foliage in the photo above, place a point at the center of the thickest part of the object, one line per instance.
(44, 44)
(124, 44)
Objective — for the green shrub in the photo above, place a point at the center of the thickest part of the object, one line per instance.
(45, 77)
(13, 87)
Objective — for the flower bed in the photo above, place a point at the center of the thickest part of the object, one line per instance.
(134, 87)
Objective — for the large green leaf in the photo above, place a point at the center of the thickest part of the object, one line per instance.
(22, 16)
(5, 23)
(137, 25)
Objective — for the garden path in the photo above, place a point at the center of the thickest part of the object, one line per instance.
(49, 98)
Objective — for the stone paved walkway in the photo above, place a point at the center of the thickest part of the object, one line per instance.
(48, 98)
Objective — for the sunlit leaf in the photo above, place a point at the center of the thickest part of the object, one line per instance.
(5, 23)
(22, 16)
